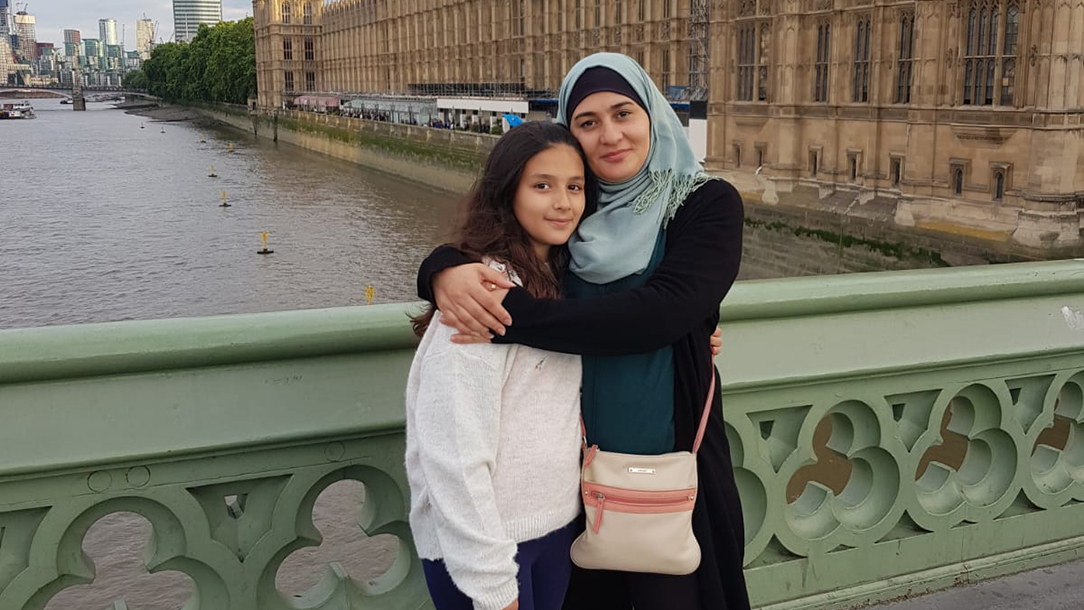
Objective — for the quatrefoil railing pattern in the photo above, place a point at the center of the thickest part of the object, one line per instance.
(890, 434)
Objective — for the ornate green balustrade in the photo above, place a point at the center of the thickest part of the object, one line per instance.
(892, 433)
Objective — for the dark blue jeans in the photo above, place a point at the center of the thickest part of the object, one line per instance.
(544, 569)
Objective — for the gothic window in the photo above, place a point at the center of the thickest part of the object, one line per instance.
(746, 61)
(518, 10)
(285, 12)
(310, 81)
(641, 11)
(307, 17)
(598, 13)
(905, 54)
(861, 59)
(814, 163)
(666, 9)
(987, 63)
(287, 49)
(999, 184)
(762, 70)
(820, 68)
(665, 70)
(958, 181)
(753, 45)
(310, 49)
(289, 81)
(579, 14)
(618, 11)
(1008, 55)
(897, 172)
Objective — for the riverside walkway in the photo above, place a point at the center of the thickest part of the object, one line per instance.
(892, 433)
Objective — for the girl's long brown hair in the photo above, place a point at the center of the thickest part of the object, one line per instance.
(489, 227)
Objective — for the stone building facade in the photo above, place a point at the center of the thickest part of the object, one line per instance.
(964, 112)
(466, 47)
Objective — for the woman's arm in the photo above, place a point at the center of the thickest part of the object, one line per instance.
(457, 414)
(701, 263)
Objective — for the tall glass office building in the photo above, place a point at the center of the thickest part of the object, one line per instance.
(5, 19)
(189, 14)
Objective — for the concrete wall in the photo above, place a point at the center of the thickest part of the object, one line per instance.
(440, 158)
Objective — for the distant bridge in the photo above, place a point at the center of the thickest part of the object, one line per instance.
(66, 90)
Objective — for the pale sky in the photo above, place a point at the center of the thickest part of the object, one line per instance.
(55, 16)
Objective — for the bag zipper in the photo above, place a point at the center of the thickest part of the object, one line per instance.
(670, 501)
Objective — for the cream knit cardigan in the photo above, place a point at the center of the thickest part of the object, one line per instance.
(492, 456)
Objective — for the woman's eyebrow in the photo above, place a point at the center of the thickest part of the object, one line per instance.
(592, 113)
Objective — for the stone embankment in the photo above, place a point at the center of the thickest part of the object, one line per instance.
(782, 239)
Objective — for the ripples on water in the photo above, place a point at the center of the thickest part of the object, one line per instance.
(101, 220)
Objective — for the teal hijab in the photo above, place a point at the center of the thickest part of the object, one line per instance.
(617, 241)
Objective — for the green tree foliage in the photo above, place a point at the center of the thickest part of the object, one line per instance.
(219, 65)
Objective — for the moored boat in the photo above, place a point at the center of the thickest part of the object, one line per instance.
(16, 110)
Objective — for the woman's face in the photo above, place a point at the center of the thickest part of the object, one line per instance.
(550, 198)
(615, 133)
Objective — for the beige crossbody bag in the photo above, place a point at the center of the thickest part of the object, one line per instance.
(640, 508)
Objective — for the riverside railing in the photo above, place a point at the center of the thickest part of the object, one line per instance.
(892, 433)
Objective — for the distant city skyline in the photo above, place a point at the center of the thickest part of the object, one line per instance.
(55, 17)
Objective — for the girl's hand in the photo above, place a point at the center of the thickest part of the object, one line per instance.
(716, 341)
(512, 606)
(469, 299)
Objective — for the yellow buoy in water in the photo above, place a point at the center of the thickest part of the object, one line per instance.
(370, 292)
(263, 236)
(224, 203)
(212, 174)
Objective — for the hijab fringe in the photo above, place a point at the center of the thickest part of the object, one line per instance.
(678, 187)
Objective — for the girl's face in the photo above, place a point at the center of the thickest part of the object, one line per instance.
(615, 133)
(550, 197)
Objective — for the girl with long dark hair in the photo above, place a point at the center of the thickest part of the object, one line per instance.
(483, 420)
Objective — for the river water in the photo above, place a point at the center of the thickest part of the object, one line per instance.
(103, 220)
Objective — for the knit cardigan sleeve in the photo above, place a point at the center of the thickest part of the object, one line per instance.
(457, 414)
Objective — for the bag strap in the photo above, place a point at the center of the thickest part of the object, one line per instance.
(703, 417)
(706, 414)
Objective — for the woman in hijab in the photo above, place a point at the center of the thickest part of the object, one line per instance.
(648, 272)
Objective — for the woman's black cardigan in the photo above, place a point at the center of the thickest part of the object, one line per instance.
(678, 306)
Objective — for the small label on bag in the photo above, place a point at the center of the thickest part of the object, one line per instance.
(635, 470)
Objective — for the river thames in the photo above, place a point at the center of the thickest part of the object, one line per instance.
(102, 220)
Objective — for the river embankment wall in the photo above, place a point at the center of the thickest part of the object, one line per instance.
(439, 158)
(781, 240)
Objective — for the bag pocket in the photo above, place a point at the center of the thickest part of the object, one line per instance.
(603, 498)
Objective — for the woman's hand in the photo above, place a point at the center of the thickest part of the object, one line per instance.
(513, 606)
(716, 341)
(469, 299)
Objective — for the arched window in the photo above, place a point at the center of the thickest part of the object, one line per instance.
(286, 12)
(307, 18)
(999, 185)
(985, 62)
(958, 181)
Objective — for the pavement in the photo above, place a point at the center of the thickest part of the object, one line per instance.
(1058, 587)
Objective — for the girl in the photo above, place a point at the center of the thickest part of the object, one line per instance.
(647, 275)
(493, 430)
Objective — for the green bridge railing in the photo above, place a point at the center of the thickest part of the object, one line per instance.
(893, 433)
